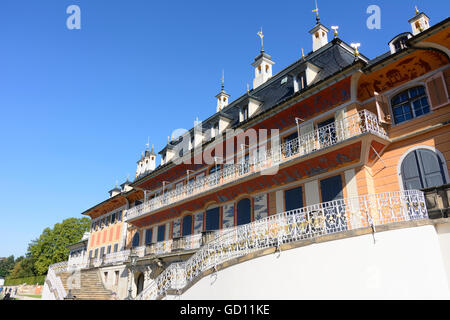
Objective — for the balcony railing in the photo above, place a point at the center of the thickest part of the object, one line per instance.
(296, 225)
(339, 131)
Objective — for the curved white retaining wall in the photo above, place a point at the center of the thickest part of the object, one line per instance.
(402, 264)
(46, 293)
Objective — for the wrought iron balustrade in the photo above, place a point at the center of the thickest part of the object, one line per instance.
(338, 131)
(296, 225)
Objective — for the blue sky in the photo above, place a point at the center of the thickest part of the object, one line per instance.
(77, 106)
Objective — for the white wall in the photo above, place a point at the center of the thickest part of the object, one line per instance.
(443, 231)
(47, 294)
(403, 264)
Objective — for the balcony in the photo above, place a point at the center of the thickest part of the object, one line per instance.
(339, 131)
(299, 225)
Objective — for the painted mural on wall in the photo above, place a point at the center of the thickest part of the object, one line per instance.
(331, 161)
(176, 228)
(326, 99)
(228, 215)
(407, 69)
(260, 206)
(198, 223)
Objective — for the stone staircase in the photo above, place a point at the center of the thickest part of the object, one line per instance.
(91, 286)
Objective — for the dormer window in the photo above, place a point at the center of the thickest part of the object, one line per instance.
(244, 113)
(301, 81)
(400, 44)
(216, 129)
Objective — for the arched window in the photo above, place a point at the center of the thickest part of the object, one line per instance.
(243, 212)
(422, 168)
(187, 225)
(140, 284)
(135, 242)
(409, 104)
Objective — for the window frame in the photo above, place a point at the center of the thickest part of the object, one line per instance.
(410, 100)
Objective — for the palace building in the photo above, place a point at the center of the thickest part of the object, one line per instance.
(327, 179)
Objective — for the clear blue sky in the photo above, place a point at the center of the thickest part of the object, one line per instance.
(77, 106)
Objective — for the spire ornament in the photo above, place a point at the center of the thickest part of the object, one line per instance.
(261, 35)
(356, 46)
(417, 10)
(316, 10)
(335, 28)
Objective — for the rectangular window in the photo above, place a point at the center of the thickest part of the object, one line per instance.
(148, 236)
(161, 232)
(212, 219)
(102, 252)
(301, 81)
(90, 254)
(96, 253)
(293, 199)
(108, 251)
(331, 189)
(119, 216)
(116, 282)
(116, 247)
(113, 217)
(244, 113)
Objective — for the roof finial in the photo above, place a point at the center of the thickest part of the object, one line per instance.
(316, 10)
(335, 28)
(153, 148)
(248, 88)
(148, 143)
(303, 54)
(417, 10)
(261, 35)
(223, 79)
(356, 46)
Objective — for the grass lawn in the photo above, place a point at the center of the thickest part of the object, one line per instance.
(38, 296)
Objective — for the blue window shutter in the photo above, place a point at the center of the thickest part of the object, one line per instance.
(243, 212)
(411, 173)
(331, 189)
(431, 167)
(293, 199)
(161, 233)
(187, 225)
(148, 236)
(212, 219)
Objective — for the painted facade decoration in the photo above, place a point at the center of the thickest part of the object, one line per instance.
(198, 223)
(407, 69)
(176, 228)
(260, 206)
(228, 216)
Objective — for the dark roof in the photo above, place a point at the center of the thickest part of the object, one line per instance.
(329, 59)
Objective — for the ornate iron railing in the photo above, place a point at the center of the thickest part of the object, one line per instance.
(336, 132)
(116, 257)
(296, 225)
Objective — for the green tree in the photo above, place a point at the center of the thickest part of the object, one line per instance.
(24, 267)
(6, 265)
(51, 246)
